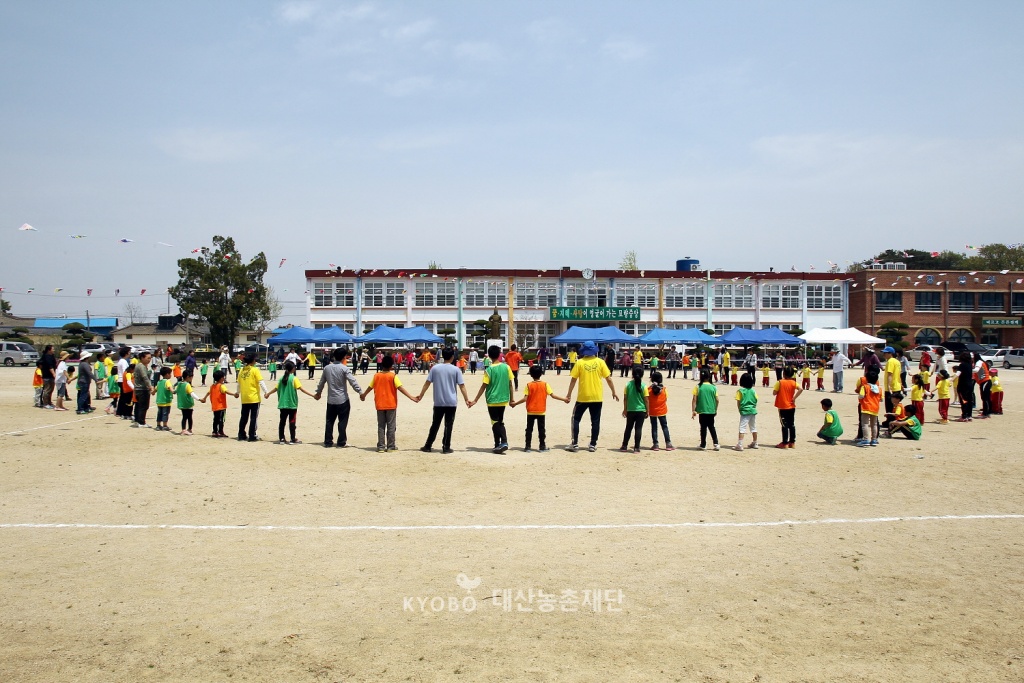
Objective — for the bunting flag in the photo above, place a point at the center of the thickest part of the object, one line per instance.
(26, 226)
(58, 290)
(77, 237)
(227, 257)
(282, 262)
(142, 293)
(125, 240)
(250, 291)
(906, 255)
(30, 290)
(116, 292)
(88, 292)
(210, 290)
(196, 251)
(164, 244)
(1020, 280)
(969, 246)
(332, 265)
(934, 254)
(1003, 272)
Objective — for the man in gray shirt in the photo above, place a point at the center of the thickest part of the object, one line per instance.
(335, 376)
(837, 371)
(446, 378)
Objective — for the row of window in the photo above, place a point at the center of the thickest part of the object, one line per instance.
(958, 301)
(545, 295)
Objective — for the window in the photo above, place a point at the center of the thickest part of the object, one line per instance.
(347, 327)
(639, 294)
(331, 294)
(991, 301)
(888, 301)
(486, 294)
(825, 296)
(734, 296)
(685, 295)
(535, 335)
(384, 294)
(780, 296)
(928, 336)
(440, 294)
(722, 328)
(1017, 301)
(990, 336)
(536, 294)
(582, 293)
(961, 301)
(927, 301)
(636, 329)
(961, 335)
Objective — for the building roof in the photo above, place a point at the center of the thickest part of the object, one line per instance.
(149, 328)
(571, 273)
(92, 323)
(923, 280)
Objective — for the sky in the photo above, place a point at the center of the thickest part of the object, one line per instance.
(745, 134)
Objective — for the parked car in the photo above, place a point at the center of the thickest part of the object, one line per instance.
(205, 348)
(96, 347)
(994, 356)
(956, 348)
(914, 354)
(1014, 358)
(18, 353)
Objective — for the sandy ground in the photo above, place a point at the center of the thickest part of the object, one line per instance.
(298, 563)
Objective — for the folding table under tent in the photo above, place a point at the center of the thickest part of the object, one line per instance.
(692, 336)
(294, 335)
(601, 335)
(400, 335)
(844, 335)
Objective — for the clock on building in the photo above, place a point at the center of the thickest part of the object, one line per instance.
(587, 273)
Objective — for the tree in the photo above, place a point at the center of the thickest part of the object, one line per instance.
(217, 287)
(75, 335)
(5, 306)
(893, 332)
(133, 312)
(628, 261)
(266, 318)
(989, 257)
(449, 335)
(996, 257)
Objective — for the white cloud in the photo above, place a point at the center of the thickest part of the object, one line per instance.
(207, 145)
(297, 11)
(476, 51)
(412, 85)
(625, 49)
(410, 31)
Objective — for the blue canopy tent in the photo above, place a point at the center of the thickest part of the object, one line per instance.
(660, 335)
(332, 335)
(294, 335)
(400, 335)
(740, 337)
(601, 335)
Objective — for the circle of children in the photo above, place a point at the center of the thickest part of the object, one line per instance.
(130, 383)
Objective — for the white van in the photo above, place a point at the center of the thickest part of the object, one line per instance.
(17, 352)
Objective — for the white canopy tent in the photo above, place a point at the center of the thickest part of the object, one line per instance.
(846, 335)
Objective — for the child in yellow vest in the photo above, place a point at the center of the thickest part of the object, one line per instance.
(997, 393)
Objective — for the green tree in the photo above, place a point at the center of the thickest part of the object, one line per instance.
(997, 257)
(915, 260)
(75, 335)
(628, 261)
(893, 332)
(5, 306)
(219, 288)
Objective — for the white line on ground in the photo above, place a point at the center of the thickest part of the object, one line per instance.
(505, 527)
(57, 424)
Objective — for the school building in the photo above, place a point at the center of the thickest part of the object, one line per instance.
(982, 307)
(536, 305)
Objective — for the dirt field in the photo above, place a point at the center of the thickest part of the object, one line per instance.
(195, 559)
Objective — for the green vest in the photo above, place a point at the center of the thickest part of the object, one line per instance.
(833, 430)
(287, 394)
(634, 399)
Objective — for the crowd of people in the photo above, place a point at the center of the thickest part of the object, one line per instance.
(133, 382)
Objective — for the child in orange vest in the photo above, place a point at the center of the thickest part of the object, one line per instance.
(536, 399)
(386, 387)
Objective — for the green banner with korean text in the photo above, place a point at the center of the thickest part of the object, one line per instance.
(595, 313)
(1000, 322)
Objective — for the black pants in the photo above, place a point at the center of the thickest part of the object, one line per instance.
(141, 406)
(965, 392)
(672, 366)
(634, 424)
(85, 400)
(497, 414)
(787, 417)
(985, 389)
(542, 434)
(287, 415)
(446, 413)
(339, 412)
(624, 370)
(250, 411)
(186, 418)
(595, 420)
(515, 378)
(707, 424)
(124, 404)
(778, 374)
(218, 421)
(311, 369)
(46, 397)
(888, 402)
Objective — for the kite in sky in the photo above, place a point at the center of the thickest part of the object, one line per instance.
(125, 240)
(26, 226)
(282, 262)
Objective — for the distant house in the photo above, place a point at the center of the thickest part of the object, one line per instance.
(100, 326)
(150, 334)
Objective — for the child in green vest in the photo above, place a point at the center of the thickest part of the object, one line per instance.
(272, 368)
(634, 409)
(705, 404)
(186, 400)
(830, 430)
(164, 395)
(203, 369)
(287, 391)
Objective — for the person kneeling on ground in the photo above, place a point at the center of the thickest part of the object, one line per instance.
(909, 427)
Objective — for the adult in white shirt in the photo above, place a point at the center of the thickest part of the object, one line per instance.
(474, 358)
(837, 361)
(293, 357)
(224, 360)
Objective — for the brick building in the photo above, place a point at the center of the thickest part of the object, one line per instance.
(983, 307)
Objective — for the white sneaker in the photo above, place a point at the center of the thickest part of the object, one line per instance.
(738, 447)
(716, 447)
(753, 445)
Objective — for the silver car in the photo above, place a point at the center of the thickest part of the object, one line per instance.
(1014, 358)
(20, 353)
